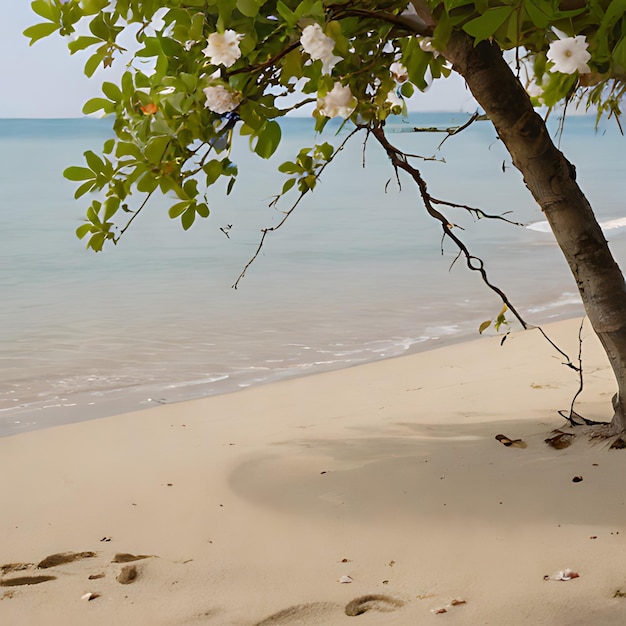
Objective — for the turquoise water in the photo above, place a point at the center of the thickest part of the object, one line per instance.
(355, 275)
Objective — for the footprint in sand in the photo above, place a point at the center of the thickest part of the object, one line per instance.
(50, 561)
(64, 557)
(298, 613)
(25, 580)
(312, 612)
(8, 568)
(372, 602)
(128, 574)
(126, 557)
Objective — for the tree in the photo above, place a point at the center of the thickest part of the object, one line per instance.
(204, 69)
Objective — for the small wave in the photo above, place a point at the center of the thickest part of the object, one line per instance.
(565, 299)
(544, 227)
(201, 381)
(436, 331)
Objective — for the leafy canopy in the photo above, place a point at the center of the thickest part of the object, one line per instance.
(179, 102)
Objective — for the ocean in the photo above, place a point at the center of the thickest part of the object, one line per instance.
(357, 273)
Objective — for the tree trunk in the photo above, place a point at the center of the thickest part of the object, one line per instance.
(551, 179)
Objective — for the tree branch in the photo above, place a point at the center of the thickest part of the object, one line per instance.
(265, 231)
(399, 161)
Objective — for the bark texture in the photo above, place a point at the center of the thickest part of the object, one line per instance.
(551, 179)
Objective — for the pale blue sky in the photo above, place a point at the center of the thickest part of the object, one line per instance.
(45, 81)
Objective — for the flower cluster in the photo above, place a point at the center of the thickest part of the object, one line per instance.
(220, 99)
(319, 47)
(569, 55)
(223, 48)
(394, 100)
(339, 101)
(398, 72)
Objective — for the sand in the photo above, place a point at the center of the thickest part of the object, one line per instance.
(252, 508)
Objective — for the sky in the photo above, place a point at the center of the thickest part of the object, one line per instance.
(46, 81)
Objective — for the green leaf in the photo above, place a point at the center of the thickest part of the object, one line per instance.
(288, 184)
(84, 188)
(147, 183)
(82, 42)
(93, 62)
(407, 90)
(83, 230)
(417, 62)
(268, 139)
(39, 31)
(92, 213)
(176, 210)
(501, 318)
(98, 104)
(536, 10)
(99, 26)
(78, 173)
(196, 30)
(94, 6)
(619, 55)
(326, 150)
(97, 241)
(94, 161)
(287, 14)
(249, 8)
(188, 218)
(45, 9)
(110, 208)
(213, 170)
(155, 149)
(485, 25)
(125, 148)
(484, 326)
(455, 4)
(112, 92)
(290, 168)
(190, 188)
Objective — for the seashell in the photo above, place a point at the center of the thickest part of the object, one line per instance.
(90, 595)
(345, 579)
(566, 574)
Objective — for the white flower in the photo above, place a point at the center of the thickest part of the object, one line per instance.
(399, 72)
(339, 101)
(319, 47)
(220, 99)
(223, 48)
(534, 90)
(410, 10)
(394, 100)
(426, 44)
(570, 55)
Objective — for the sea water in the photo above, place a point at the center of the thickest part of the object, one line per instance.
(357, 273)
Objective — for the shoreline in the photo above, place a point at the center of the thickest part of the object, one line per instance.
(81, 406)
(251, 508)
(130, 400)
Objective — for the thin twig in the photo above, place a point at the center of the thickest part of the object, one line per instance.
(573, 416)
(474, 263)
(130, 221)
(270, 229)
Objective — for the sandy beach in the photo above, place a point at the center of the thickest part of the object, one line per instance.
(377, 494)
